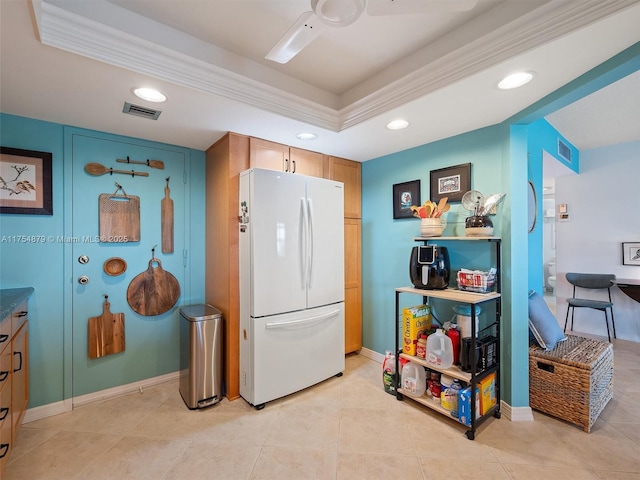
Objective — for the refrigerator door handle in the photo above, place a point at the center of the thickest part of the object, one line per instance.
(303, 244)
(304, 321)
(310, 256)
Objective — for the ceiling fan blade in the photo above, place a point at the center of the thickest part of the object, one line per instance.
(397, 7)
(306, 29)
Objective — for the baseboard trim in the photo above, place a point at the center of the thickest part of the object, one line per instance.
(516, 414)
(51, 409)
(372, 355)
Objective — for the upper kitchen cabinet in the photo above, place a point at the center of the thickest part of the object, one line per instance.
(349, 173)
(275, 156)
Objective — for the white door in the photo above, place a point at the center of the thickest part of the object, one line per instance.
(326, 219)
(276, 220)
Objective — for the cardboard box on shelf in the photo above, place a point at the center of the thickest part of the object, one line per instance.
(464, 405)
(416, 320)
(487, 393)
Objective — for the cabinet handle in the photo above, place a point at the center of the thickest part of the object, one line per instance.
(286, 164)
(20, 367)
(4, 447)
(4, 411)
(4, 338)
(293, 162)
(22, 313)
(3, 376)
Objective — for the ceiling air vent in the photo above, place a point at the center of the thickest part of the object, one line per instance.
(139, 111)
(564, 151)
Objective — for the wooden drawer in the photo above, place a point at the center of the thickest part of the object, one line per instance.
(5, 364)
(18, 317)
(5, 331)
(5, 443)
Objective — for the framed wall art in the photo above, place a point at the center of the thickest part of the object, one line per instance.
(631, 253)
(404, 195)
(452, 182)
(25, 182)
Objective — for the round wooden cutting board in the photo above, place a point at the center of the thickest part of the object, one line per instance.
(154, 291)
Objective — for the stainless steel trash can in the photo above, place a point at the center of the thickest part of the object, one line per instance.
(201, 355)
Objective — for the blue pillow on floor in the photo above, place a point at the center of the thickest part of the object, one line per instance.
(542, 323)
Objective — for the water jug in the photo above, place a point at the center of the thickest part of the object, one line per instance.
(463, 319)
(414, 380)
(439, 350)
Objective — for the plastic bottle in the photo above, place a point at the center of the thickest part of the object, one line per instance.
(454, 392)
(454, 335)
(439, 350)
(414, 380)
(445, 384)
(388, 372)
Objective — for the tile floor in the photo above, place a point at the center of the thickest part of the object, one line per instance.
(343, 428)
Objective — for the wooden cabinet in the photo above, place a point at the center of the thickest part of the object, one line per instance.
(225, 160)
(352, 285)
(5, 403)
(276, 156)
(14, 372)
(19, 378)
(349, 173)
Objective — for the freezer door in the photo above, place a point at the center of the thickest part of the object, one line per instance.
(294, 351)
(325, 204)
(276, 221)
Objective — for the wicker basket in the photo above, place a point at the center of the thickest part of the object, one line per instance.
(574, 381)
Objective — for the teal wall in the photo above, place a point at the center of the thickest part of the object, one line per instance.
(387, 243)
(542, 136)
(43, 265)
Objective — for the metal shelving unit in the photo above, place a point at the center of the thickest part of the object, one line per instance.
(474, 377)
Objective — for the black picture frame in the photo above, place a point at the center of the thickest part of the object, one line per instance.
(451, 182)
(404, 196)
(631, 253)
(26, 173)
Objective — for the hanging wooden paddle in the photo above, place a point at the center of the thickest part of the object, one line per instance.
(167, 221)
(154, 291)
(149, 163)
(106, 332)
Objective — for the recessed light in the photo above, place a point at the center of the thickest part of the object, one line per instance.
(515, 80)
(150, 94)
(397, 124)
(306, 136)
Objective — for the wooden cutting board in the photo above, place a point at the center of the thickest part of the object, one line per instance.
(167, 221)
(119, 218)
(154, 291)
(106, 333)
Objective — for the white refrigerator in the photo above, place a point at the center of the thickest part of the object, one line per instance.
(291, 283)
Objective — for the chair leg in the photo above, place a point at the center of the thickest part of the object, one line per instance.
(566, 318)
(606, 320)
(613, 323)
(573, 314)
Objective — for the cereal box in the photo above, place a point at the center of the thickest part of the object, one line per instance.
(416, 320)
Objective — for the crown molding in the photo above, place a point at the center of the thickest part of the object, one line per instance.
(76, 33)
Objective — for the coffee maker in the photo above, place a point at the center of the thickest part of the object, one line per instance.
(429, 267)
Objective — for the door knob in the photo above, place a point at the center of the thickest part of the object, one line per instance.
(83, 280)
(83, 259)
